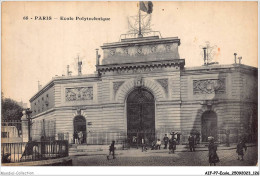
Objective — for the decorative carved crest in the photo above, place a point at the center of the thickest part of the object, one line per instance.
(209, 86)
(79, 93)
(164, 84)
(167, 47)
(138, 82)
(153, 48)
(112, 52)
(139, 50)
(78, 111)
(126, 51)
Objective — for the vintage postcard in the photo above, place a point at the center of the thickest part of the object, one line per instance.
(142, 83)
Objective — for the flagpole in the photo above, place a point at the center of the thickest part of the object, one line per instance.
(140, 33)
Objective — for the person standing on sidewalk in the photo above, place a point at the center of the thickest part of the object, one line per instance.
(174, 143)
(240, 150)
(227, 137)
(213, 157)
(170, 145)
(191, 140)
(165, 140)
(112, 150)
(178, 138)
(158, 144)
(76, 137)
(80, 137)
(134, 140)
(144, 148)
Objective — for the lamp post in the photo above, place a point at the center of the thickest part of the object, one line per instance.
(28, 116)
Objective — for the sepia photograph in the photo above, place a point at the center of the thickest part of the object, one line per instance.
(137, 83)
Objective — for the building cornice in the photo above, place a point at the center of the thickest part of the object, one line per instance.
(151, 64)
(141, 42)
(218, 69)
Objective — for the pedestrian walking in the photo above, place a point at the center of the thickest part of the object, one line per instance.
(166, 141)
(111, 150)
(240, 150)
(191, 140)
(76, 137)
(213, 157)
(172, 145)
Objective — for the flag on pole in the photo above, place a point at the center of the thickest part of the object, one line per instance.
(146, 6)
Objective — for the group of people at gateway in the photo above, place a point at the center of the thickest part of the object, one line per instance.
(78, 137)
(173, 141)
(156, 145)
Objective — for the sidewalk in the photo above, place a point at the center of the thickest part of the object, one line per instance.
(90, 150)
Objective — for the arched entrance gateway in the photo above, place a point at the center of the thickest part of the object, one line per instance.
(209, 125)
(141, 115)
(79, 123)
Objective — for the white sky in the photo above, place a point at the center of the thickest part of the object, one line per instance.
(39, 50)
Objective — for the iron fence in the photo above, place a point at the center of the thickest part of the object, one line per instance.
(33, 151)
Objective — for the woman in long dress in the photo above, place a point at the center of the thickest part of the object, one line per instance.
(213, 157)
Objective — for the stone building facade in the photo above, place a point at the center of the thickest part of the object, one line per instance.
(142, 88)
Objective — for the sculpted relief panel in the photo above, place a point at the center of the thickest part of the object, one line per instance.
(164, 84)
(79, 94)
(209, 86)
(140, 50)
(116, 86)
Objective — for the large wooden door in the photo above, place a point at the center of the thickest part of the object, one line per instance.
(141, 115)
(209, 125)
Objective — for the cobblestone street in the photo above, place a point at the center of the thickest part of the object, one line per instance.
(135, 157)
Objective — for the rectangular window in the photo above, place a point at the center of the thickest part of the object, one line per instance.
(5, 135)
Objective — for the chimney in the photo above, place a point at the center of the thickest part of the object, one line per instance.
(235, 54)
(39, 86)
(79, 67)
(68, 71)
(205, 56)
(239, 59)
(97, 58)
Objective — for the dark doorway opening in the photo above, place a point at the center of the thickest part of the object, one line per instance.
(80, 126)
(209, 125)
(141, 116)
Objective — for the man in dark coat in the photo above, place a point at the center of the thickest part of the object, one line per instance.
(178, 138)
(170, 145)
(240, 150)
(165, 140)
(191, 140)
(76, 137)
(213, 157)
(174, 145)
(111, 150)
(227, 137)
